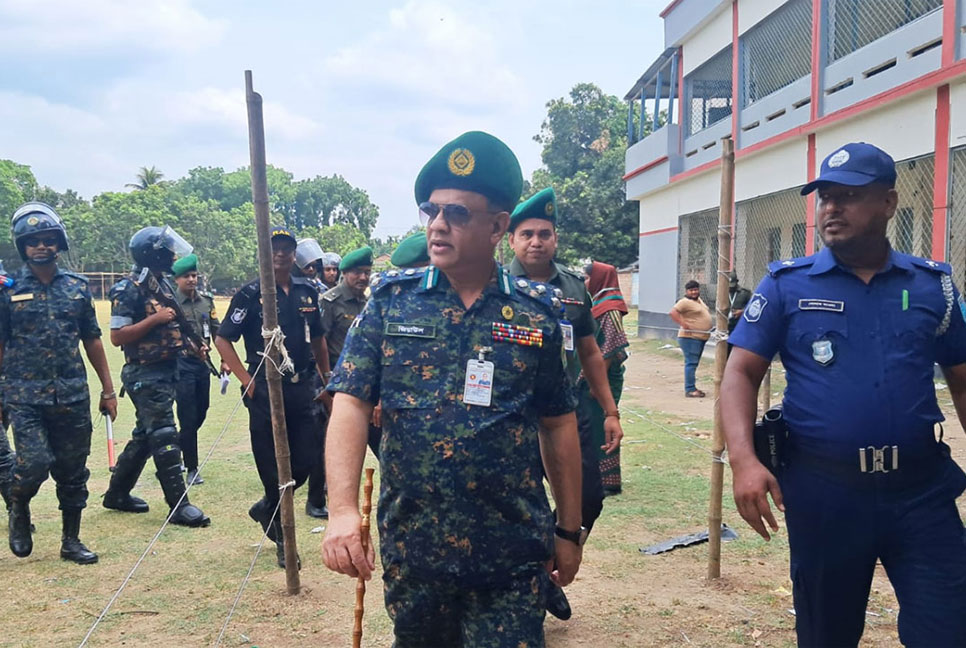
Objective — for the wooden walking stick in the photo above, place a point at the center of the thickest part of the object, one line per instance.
(361, 583)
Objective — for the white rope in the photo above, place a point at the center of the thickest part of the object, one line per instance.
(275, 338)
(164, 524)
(714, 457)
(251, 567)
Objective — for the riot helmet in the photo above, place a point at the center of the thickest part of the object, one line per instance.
(155, 248)
(307, 251)
(34, 219)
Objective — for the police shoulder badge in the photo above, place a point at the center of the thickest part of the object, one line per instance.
(461, 162)
(238, 315)
(822, 352)
(755, 307)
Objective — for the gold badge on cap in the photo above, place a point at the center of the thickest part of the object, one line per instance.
(549, 209)
(507, 312)
(461, 162)
(33, 220)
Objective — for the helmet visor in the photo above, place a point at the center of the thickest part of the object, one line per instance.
(307, 251)
(35, 208)
(173, 241)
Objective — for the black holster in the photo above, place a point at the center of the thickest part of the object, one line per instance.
(771, 437)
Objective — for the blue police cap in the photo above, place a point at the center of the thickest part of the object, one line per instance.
(856, 165)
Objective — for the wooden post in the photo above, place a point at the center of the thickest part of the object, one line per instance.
(266, 274)
(726, 209)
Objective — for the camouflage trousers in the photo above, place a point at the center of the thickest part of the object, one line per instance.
(151, 388)
(54, 440)
(445, 612)
(7, 457)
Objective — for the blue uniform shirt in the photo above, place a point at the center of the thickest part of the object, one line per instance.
(859, 358)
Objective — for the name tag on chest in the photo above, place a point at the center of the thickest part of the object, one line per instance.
(829, 305)
(410, 330)
(23, 297)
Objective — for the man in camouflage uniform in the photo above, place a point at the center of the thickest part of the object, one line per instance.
(467, 362)
(533, 237)
(298, 318)
(194, 380)
(42, 318)
(152, 340)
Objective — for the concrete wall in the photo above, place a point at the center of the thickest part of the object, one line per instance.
(657, 282)
(771, 170)
(707, 41)
(752, 12)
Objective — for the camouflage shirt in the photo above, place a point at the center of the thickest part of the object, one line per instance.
(339, 308)
(130, 305)
(462, 491)
(40, 327)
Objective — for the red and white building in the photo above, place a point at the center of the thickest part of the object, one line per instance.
(791, 81)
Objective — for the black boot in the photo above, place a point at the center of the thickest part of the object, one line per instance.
(183, 513)
(71, 548)
(261, 512)
(320, 512)
(130, 463)
(280, 556)
(21, 543)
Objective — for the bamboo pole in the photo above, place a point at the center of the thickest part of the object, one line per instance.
(726, 210)
(266, 274)
(361, 582)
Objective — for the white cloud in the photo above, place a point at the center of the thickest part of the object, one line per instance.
(105, 25)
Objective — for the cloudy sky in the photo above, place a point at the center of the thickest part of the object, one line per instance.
(91, 91)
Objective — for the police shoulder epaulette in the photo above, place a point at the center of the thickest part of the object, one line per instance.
(251, 289)
(300, 281)
(76, 275)
(205, 293)
(787, 264)
(379, 282)
(544, 293)
(929, 264)
(330, 295)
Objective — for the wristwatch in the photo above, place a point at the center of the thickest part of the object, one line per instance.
(578, 537)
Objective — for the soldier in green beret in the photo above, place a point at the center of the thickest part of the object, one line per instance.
(411, 252)
(194, 381)
(533, 238)
(470, 397)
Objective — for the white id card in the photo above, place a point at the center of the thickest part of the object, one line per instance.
(568, 335)
(478, 389)
(308, 333)
(206, 330)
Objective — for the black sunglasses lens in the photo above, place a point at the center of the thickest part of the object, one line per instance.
(456, 214)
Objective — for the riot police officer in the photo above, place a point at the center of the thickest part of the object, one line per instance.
(859, 328)
(298, 318)
(144, 324)
(43, 316)
(330, 269)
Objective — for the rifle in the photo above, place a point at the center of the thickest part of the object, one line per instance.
(147, 282)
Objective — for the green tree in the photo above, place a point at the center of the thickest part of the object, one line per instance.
(147, 177)
(17, 186)
(584, 140)
(339, 238)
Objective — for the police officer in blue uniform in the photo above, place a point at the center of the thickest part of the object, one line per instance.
(859, 327)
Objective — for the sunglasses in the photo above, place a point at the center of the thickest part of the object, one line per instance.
(454, 215)
(46, 241)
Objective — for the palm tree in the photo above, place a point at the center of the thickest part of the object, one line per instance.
(147, 176)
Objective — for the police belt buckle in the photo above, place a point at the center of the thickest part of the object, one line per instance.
(877, 458)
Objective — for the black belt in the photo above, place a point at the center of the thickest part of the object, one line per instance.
(890, 466)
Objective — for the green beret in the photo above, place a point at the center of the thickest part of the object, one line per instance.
(476, 162)
(411, 252)
(356, 258)
(185, 264)
(542, 204)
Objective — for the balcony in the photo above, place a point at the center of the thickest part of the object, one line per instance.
(653, 161)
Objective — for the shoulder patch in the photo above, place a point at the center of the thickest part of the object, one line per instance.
(379, 282)
(250, 290)
(755, 307)
(929, 264)
(787, 264)
(537, 291)
(330, 295)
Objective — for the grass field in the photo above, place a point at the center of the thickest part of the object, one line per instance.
(181, 594)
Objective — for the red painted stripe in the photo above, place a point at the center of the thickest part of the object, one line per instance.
(707, 166)
(940, 191)
(735, 109)
(641, 169)
(817, 72)
(658, 231)
(735, 103)
(950, 31)
(810, 199)
(668, 9)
